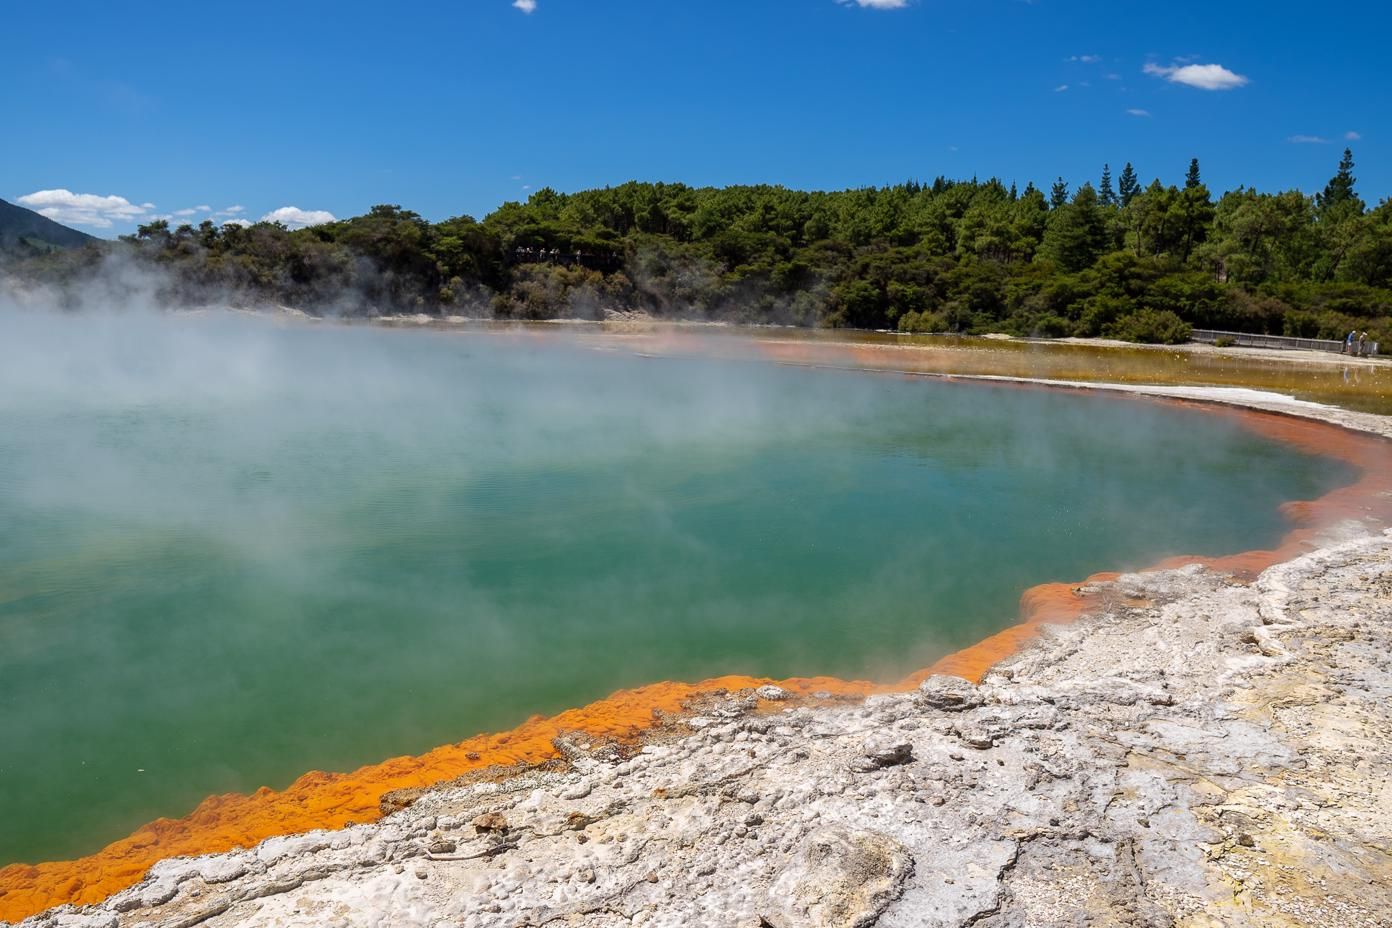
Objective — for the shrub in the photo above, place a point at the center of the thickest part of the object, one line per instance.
(1151, 327)
(922, 323)
(1100, 312)
(1051, 327)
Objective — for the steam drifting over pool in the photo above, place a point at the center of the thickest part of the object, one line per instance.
(232, 550)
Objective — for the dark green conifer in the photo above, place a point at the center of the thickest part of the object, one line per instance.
(1058, 194)
(1105, 194)
(1339, 193)
(1192, 180)
(1129, 185)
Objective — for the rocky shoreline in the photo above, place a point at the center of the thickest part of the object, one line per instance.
(1198, 751)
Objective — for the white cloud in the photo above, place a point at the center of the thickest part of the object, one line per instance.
(526, 6)
(1060, 88)
(295, 218)
(1308, 140)
(1351, 136)
(1145, 114)
(236, 222)
(1202, 76)
(204, 209)
(1086, 59)
(231, 211)
(876, 4)
(84, 209)
(185, 212)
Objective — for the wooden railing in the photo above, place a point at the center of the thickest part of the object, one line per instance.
(1248, 340)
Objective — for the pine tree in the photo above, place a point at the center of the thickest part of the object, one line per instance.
(1058, 194)
(1129, 185)
(1105, 194)
(1014, 194)
(1195, 211)
(1191, 180)
(1339, 193)
(1077, 234)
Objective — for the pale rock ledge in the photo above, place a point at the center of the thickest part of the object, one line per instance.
(1219, 757)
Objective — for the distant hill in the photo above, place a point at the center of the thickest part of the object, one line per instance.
(23, 230)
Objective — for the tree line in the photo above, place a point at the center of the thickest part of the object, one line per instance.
(1116, 259)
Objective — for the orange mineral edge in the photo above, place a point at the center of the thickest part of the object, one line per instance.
(333, 800)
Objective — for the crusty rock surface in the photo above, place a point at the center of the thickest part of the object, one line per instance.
(1219, 757)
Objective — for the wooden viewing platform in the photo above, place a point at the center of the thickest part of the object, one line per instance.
(1248, 340)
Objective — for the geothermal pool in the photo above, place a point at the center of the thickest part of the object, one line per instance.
(232, 551)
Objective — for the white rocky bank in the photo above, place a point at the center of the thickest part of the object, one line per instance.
(1222, 756)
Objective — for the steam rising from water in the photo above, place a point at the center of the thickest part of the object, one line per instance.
(232, 549)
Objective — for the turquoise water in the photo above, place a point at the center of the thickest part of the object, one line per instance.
(231, 551)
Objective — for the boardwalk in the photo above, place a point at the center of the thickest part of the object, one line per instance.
(1248, 340)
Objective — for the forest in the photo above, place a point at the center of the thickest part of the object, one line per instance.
(1116, 258)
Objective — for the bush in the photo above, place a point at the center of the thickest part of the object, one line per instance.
(923, 323)
(1151, 327)
(1051, 327)
(1100, 312)
(1224, 341)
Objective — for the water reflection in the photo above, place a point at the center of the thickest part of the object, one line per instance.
(1365, 386)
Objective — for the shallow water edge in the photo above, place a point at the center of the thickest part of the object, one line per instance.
(321, 800)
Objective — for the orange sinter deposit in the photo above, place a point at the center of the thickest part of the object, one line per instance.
(333, 800)
(1368, 498)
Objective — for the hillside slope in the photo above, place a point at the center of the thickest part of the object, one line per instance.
(24, 229)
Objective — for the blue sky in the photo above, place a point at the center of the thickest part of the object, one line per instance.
(142, 110)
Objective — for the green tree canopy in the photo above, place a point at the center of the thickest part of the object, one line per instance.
(951, 255)
(1105, 194)
(1128, 186)
(1338, 199)
(1058, 194)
